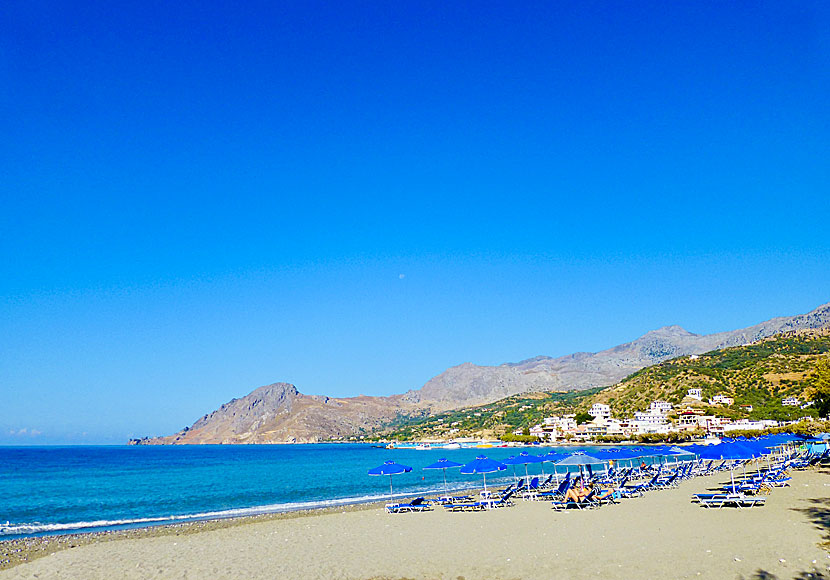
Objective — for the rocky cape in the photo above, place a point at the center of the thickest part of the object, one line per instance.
(279, 413)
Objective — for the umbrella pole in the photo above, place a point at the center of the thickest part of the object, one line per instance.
(445, 480)
(485, 481)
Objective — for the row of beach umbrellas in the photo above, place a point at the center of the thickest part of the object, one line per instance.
(729, 449)
(482, 465)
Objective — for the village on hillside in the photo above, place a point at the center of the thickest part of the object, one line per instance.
(660, 418)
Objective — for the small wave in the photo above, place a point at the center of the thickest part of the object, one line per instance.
(37, 528)
(9, 529)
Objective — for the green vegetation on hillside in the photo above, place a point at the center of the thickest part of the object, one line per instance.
(760, 375)
(493, 420)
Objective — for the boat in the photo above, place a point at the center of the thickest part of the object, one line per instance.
(423, 447)
(452, 445)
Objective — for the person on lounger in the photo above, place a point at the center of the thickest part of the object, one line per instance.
(577, 494)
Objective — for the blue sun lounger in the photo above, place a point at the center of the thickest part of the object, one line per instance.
(587, 502)
(416, 505)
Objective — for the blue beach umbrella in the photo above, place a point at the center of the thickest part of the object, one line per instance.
(513, 462)
(443, 464)
(483, 465)
(729, 451)
(390, 468)
(523, 458)
(581, 460)
(551, 457)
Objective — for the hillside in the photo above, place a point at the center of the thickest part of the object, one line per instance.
(759, 374)
(279, 413)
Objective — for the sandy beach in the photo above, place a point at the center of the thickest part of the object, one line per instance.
(661, 535)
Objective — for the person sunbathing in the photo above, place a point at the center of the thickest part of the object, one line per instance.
(577, 494)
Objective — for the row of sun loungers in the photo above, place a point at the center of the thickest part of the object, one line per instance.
(611, 486)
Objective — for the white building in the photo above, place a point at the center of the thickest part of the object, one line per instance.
(791, 402)
(649, 422)
(660, 408)
(695, 394)
(600, 411)
(721, 400)
(745, 424)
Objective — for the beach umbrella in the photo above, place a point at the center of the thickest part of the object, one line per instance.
(552, 457)
(523, 458)
(581, 460)
(390, 468)
(729, 451)
(482, 465)
(443, 464)
(513, 462)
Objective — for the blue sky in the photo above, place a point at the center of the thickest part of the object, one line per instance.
(198, 200)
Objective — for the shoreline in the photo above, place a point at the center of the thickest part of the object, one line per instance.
(660, 535)
(22, 550)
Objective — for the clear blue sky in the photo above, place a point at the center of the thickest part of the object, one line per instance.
(200, 198)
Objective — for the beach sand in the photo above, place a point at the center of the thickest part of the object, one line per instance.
(661, 535)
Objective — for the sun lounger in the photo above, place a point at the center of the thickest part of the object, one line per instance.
(587, 502)
(450, 499)
(416, 505)
(558, 493)
(720, 500)
(532, 490)
(465, 507)
(496, 501)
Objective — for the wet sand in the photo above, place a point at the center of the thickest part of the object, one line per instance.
(661, 535)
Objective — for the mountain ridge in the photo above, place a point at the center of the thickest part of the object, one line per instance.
(280, 413)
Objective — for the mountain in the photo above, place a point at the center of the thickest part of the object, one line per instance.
(279, 413)
(759, 375)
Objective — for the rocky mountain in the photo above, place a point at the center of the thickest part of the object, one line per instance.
(279, 413)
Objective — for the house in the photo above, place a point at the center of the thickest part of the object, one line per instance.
(712, 424)
(791, 402)
(600, 411)
(687, 420)
(695, 394)
(747, 408)
(722, 400)
(746, 424)
(649, 422)
(660, 408)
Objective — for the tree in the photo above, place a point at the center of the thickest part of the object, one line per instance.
(583, 418)
(819, 390)
(526, 431)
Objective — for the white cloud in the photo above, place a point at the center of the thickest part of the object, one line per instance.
(24, 432)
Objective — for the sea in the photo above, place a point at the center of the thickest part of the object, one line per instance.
(58, 490)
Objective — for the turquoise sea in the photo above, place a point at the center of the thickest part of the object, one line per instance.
(48, 490)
